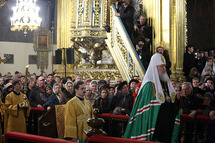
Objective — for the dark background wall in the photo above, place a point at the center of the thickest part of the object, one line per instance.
(201, 23)
(48, 13)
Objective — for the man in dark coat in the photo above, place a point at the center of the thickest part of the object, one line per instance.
(143, 30)
(190, 103)
(189, 60)
(143, 52)
(126, 12)
(38, 97)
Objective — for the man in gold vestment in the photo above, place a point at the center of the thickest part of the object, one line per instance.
(2, 110)
(16, 112)
(77, 111)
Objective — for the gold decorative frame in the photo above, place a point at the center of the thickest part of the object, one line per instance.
(43, 44)
(3, 2)
(42, 40)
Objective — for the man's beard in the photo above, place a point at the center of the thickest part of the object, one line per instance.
(163, 77)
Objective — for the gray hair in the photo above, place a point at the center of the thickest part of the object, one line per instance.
(188, 84)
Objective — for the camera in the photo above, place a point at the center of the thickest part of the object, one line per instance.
(139, 26)
(132, 89)
(140, 45)
(207, 84)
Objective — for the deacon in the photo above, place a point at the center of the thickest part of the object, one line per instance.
(2, 111)
(17, 109)
(77, 111)
(153, 117)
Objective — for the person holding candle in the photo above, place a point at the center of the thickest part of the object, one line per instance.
(14, 119)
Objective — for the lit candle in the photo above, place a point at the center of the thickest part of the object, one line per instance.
(26, 75)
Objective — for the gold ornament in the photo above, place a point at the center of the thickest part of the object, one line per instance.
(163, 59)
(3, 2)
(25, 104)
(161, 97)
(173, 96)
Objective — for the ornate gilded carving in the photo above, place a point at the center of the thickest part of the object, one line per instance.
(42, 45)
(86, 62)
(2, 2)
(91, 51)
(90, 58)
(96, 13)
(77, 33)
(87, 13)
(131, 66)
(3, 60)
(105, 13)
(73, 13)
(122, 47)
(112, 75)
(89, 19)
(95, 33)
(80, 12)
(141, 7)
(42, 60)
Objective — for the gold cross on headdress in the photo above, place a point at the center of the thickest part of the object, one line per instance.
(163, 59)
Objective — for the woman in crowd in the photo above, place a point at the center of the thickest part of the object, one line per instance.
(102, 102)
(209, 63)
(57, 97)
(94, 87)
(69, 92)
(89, 95)
(194, 73)
(7, 89)
(49, 92)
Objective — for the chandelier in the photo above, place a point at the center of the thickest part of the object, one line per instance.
(25, 16)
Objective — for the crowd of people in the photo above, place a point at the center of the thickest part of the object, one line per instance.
(45, 91)
(195, 95)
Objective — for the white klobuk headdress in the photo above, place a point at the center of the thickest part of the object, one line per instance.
(153, 76)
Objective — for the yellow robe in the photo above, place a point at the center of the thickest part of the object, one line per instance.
(76, 114)
(2, 110)
(14, 116)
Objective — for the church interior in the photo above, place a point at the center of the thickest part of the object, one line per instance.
(66, 38)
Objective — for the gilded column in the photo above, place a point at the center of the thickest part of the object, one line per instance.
(173, 46)
(181, 37)
(63, 33)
